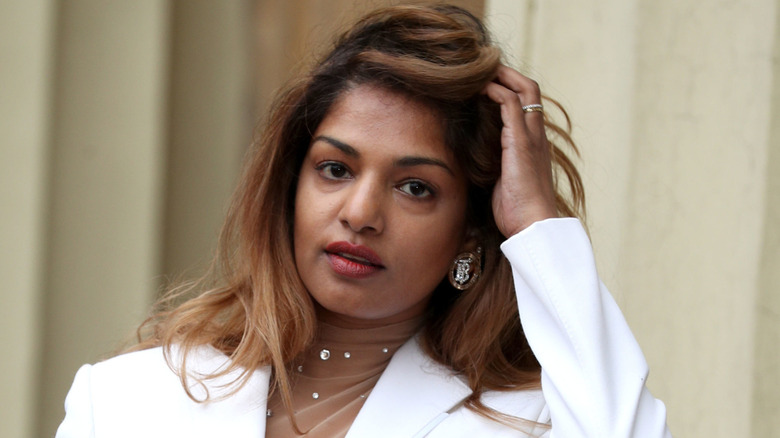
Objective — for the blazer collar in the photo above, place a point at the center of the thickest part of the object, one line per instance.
(237, 411)
(389, 410)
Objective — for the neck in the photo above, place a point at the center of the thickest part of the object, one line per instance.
(349, 322)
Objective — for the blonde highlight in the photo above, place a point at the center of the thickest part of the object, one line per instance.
(252, 305)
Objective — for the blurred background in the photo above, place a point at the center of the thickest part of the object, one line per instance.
(123, 125)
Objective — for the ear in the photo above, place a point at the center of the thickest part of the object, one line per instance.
(470, 241)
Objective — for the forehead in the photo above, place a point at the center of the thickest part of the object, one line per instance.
(373, 117)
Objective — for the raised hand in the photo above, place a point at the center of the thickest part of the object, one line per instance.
(524, 192)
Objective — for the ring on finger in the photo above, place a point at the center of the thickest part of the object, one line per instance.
(534, 107)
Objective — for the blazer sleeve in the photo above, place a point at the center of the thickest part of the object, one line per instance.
(78, 421)
(593, 372)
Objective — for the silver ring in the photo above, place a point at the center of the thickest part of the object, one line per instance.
(534, 107)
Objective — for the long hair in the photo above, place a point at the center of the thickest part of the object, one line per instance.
(252, 305)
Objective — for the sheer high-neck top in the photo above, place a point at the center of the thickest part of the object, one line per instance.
(333, 378)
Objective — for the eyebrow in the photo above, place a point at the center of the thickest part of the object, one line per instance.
(409, 161)
(343, 147)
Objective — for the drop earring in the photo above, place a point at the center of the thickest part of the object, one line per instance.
(466, 269)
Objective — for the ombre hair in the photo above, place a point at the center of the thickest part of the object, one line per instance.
(252, 305)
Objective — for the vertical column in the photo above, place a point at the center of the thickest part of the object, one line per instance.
(766, 374)
(25, 53)
(582, 54)
(106, 171)
(674, 115)
(694, 234)
(211, 122)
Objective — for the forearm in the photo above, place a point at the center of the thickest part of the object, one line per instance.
(593, 372)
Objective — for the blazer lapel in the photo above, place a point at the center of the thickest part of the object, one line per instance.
(411, 397)
(241, 414)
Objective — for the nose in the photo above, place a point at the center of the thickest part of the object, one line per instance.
(362, 209)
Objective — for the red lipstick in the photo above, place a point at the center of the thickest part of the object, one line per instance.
(355, 261)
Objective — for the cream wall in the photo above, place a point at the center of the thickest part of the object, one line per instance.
(211, 116)
(675, 108)
(105, 178)
(766, 369)
(26, 38)
(122, 126)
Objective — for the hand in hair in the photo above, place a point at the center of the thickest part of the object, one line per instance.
(525, 191)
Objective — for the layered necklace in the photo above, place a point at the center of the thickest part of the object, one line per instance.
(335, 376)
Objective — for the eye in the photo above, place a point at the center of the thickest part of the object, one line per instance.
(333, 170)
(417, 189)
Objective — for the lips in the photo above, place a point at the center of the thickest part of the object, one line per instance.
(355, 261)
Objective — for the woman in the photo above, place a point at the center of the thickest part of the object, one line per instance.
(364, 289)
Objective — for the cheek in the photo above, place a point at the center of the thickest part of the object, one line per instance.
(306, 209)
(303, 217)
(313, 216)
(431, 251)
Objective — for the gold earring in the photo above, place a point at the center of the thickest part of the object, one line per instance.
(466, 269)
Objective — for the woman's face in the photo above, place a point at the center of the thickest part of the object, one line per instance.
(379, 209)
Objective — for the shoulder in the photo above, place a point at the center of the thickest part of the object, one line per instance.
(146, 384)
(139, 393)
(439, 402)
(528, 404)
(525, 411)
(149, 364)
(153, 368)
(161, 371)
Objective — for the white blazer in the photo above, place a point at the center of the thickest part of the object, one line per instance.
(593, 372)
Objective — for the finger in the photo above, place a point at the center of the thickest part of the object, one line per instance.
(511, 110)
(525, 87)
(530, 94)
